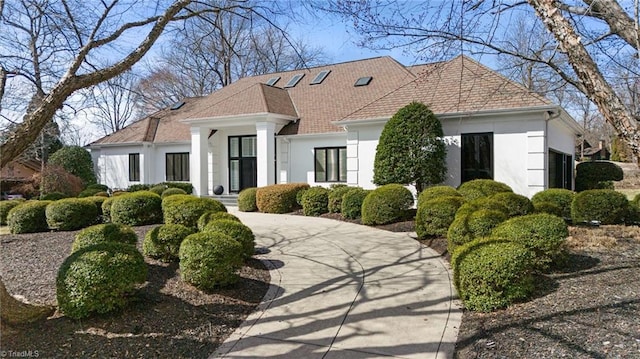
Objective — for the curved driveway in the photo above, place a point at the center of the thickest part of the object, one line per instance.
(341, 290)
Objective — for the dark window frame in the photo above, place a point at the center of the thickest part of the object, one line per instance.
(466, 168)
(563, 170)
(134, 167)
(180, 163)
(326, 164)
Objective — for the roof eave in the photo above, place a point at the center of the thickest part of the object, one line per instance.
(240, 120)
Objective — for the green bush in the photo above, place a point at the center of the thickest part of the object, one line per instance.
(560, 197)
(5, 207)
(597, 175)
(101, 187)
(53, 196)
(185, 186)
(315, 201)
(214, 216)
(102, 233)
(71, 214)
(158, 189)
(163, 242)
(549, 208)
(492, 274)
(89, 192)
(75, 160)
(437, 192)
(543, 234)
(138, 187)
(481, 203)
(210, 259)
(517, 205)
(636, 199)
(352, 202)
(186, 209)
(604, 205)
(101, 194)
(98, 201)
(278, 198)
(137, 209)
(478, 224)
(247, 200)
(28, 217)
(335, 198)
(479, 188)
(171, 192)
(99, 279)
(299, 196)
(236, 230)
(434, 216)
(386, 204)
(106, 209)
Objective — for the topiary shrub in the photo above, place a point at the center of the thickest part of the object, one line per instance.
(517, 205)
(28, 217)
(214, 216)
(137, 209)
(5, 207)
(543, 234)
(335, 198)
(492, 274)
(481, 203)
(604, 205)
(106, 209)
(236, 230)
(71, 213)
(549, 208)
(158, 189)
(185, 186)
(597, 175)
(434, 217)
(186, 209)
(278, 198)
(163, 242)
(386, 204)
(352, 202)
(560, 197)
(53, 196)
(99, 279)
(210, 259)
(315, 201)
(75, 160)
(98, 186)
(478, 224)
(479, 188)
(101, 233)
(437, 192)
(247, 200)
(171, 192)
(138, 187)
(89, 192)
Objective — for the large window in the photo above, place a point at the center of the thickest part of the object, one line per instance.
(178, 166)
(331, 164)
(477, 156)
(134, 167)
(560, 170)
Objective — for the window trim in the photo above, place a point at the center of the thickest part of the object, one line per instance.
(134, 171)
(326, 164)
(567, 175)
(183, 163)
(462, 157)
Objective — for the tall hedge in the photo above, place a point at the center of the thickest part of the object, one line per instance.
(77, 161)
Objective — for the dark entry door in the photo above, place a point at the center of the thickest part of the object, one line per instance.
(242, 163)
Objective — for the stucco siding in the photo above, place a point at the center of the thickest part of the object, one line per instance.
(301, 157)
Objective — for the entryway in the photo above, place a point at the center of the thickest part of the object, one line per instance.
(243, 171)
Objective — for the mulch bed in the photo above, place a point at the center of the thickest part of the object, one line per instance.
(166, 319)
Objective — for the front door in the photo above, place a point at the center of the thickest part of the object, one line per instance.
(242, 163)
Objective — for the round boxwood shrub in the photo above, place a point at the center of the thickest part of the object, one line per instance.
(71, 213)
(543, 234)
(137, 209)
(236, 230)
(186, 209)
(558, 196)
(315, 201)
(53, 196)
(163, 242)
(171, 192)
(335, 198)
(101, 194)
(478, 224)
(247, 200)
(106, 209)
(492, 274)
(549, 208)
(597, 175)
(481, 203)
(5, 207)
(386, 204)
(436, 192)
(352, 202)
(101, 187)
(210, 259)
(101, 233)
(214, 216)
(279, 198)
(479, 188)
(88, 192)
(158, 189)
(98, 201)
(138, 187)
(517, 205)
(299, 196)
(99, 279)
(434, 217)
(28, 217)
(604, 205)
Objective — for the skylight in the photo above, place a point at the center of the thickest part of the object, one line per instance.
(363, 81)
(177, 105)
(320, 77)
(294, 80)
(272, 81)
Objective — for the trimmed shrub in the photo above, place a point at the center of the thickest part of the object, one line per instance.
(560, 197)
(138, 187)
(101, 194)
(98, 201)
(119, 193)
(479, 188)
(53, 196)
(214, 216)
(604, 205)
(158, 189)
(185, 186)
(210, 259)
(102, 233)
(435, 216)
(89, 192)
(163, 242)
(99, 279)
(597, 175)
(481, 203)
(171, 192)
(71, 213)
(101, 187)
(335, 198)
(478, 224)
(137, 209)
(299, 196)
(492, 274)
(106, 209)
(75, 160)
(186, 209)
(549, 208)
(437, 192)
(28, 217)
(247, 200)
(543, 234)
(315, 201)
(278, 198)
(386, 204)
(236, 230)
(517, 205)
(352, 202)
(5, 207)
(636, 199)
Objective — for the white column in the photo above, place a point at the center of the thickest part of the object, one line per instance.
(352, 158)
(198, 166)
(265, 132)
(536, 158)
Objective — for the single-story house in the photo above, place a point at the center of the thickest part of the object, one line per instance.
(321, 126)
(17, 172)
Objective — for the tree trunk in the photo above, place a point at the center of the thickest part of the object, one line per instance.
(13, 311)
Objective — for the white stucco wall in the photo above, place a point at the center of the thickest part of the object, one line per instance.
(112, 167)
(157, 169)
(296, 158)
(561, 137)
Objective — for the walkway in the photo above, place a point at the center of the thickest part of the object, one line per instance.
(341, 290)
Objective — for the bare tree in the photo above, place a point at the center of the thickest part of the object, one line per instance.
(113, 103)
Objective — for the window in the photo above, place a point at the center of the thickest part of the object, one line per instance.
(320, 77)
(294, 80)
(560, 170)
(134, 167)
(363, 81)
(477, 156)
(272, 81)
(178, 166)
(331, 164)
